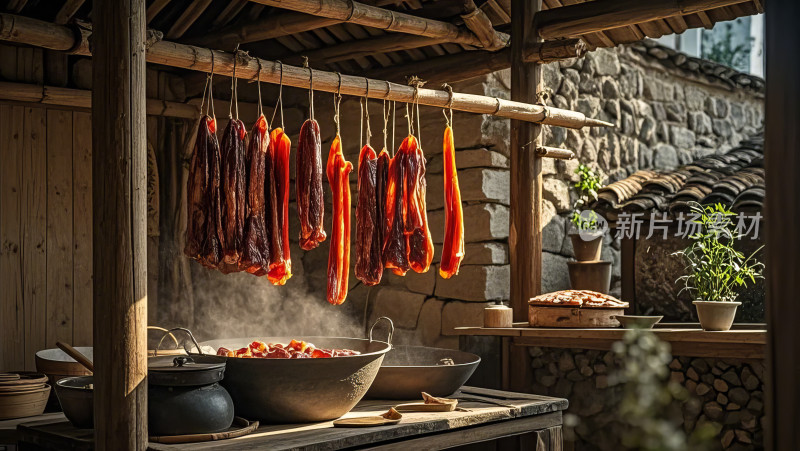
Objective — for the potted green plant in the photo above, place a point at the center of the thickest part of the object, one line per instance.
(714, 269)
(586, 236)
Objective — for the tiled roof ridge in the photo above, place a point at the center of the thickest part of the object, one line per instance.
(716, 71)
(735, 178)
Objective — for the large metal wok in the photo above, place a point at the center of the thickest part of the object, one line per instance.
(409, 370)
(300, 390)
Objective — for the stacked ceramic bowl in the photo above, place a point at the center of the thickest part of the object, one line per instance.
(22, 394)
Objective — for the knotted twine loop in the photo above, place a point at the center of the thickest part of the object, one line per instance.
(202, 99)
(279, 103)
(310, 88)
(234, 87)
(211, 88)
(365, 113)
(386, 115)
(337, 99)
(258, 83)
(448, 119)
(417, 83)
(541, 99)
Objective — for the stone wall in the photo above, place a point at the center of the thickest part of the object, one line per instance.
(728, 392)
(664, 118)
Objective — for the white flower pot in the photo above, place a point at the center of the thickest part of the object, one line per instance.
(715, 315)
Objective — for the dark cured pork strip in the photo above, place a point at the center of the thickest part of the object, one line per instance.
(395, 244)
(310, 203)
(280, 267)
(453, 247)
(234, 184)
(256, 249)
(338, 172)
(369, 216)
(420, 242)
(198, 189)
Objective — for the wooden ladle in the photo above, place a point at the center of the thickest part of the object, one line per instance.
(75, 354)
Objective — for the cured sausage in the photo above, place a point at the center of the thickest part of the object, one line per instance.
(256, 247)
(202, 193)
(395, 245)
(234, 184)
(338, 172)
(280, 266)
(453, 247)
(310, 203)
(370, 215)
(420, 242)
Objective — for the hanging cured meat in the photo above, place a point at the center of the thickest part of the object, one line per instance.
(395, 245)
(338, 172)
(408, 243)
(233, 188)
(420, 242)
(310, 203)
(202, 193)
(280, 265)
(453, 247)
(370, 215)
(256, 247)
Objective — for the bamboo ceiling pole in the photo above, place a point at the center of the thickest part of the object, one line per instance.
(589, 17)
(197, 58)
(270, 27)
(375, 17)
(82, 98)
(119, 198)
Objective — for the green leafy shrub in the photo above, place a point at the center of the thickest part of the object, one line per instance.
(586, 188)
(714, 269)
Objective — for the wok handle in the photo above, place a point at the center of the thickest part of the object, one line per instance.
(391, 329)
(169, 333)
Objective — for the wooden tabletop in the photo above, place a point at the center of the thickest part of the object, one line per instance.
(487, 414)
(748, 343)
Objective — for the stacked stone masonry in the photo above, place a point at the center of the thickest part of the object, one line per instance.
(727, 392)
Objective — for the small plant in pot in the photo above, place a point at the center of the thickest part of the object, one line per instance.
(714, 269)
(587, 236)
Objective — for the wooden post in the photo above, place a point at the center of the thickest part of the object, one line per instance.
(525, 233)
(782, 214)
(119, 168)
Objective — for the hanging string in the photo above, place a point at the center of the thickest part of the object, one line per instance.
(366, 110)
(258, 83)
(410, 119)
(310, 88)
(279, 103)
(394, 122)
(385, 123)
(337, 99)
(211, 87)
(448, 119)
(203, 99)
(234, 86)
(361, 123)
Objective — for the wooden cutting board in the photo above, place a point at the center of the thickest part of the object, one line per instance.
(544, 316)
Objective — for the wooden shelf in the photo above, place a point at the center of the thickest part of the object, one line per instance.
(694, 342)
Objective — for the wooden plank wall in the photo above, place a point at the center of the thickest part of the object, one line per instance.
(45, 231)
(45, 220)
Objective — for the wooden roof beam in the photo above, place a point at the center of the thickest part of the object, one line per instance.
(187, 18)
(68, 10)
(466, 65)
(599, 15)
(365, 47)
(59, 37)
(271, 27)
(384, 19)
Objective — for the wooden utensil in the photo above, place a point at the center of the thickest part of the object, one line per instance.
(390, 417)
(75, 354)
(244, 427)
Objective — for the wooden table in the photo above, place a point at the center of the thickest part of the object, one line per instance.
(487, 415)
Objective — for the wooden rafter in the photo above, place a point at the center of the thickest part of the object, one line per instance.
(68, 10)
(271, 27)
(187, 18)
(59, 37)
(463, 66)
(367, 47)
(155, 8)
(231, 10)
(599, 15)
(371, 16)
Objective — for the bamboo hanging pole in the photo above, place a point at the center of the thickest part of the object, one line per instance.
(184, 56)
(82, 98)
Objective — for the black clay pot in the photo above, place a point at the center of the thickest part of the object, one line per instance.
(185, 397)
